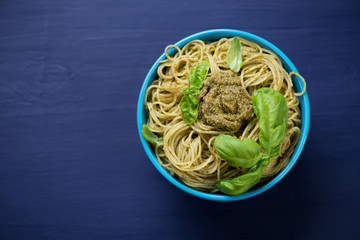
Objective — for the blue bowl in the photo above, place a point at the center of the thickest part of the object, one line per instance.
(213, 35)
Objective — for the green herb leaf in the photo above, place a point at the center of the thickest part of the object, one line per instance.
(234, 55)
(150, 136)
(189, 108)
(238, 153)
(198, 74)
(272, 113)
(239, 185)
(191, 90)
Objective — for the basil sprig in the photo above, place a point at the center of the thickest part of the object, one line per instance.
(238, 153)
(272, 113)
(189, 108)
(189, 104)
(234, 55)
(150, 136)
(239, 185)
(271, 110)
(198, 74)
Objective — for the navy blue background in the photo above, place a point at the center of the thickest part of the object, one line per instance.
(71, 163)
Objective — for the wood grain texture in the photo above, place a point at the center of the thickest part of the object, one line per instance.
(71, 163)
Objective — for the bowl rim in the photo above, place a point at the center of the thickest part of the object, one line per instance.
(305, 118)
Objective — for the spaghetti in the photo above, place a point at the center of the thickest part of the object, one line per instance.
(188, 151)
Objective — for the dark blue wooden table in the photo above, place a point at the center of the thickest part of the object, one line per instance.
(71, 163)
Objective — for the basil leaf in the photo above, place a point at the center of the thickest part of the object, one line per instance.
(272, 113)
(191, 90)
(238, 153)
(234, 55)
(189, 108)
(239, 185)
(198, 74)
(150, 136)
